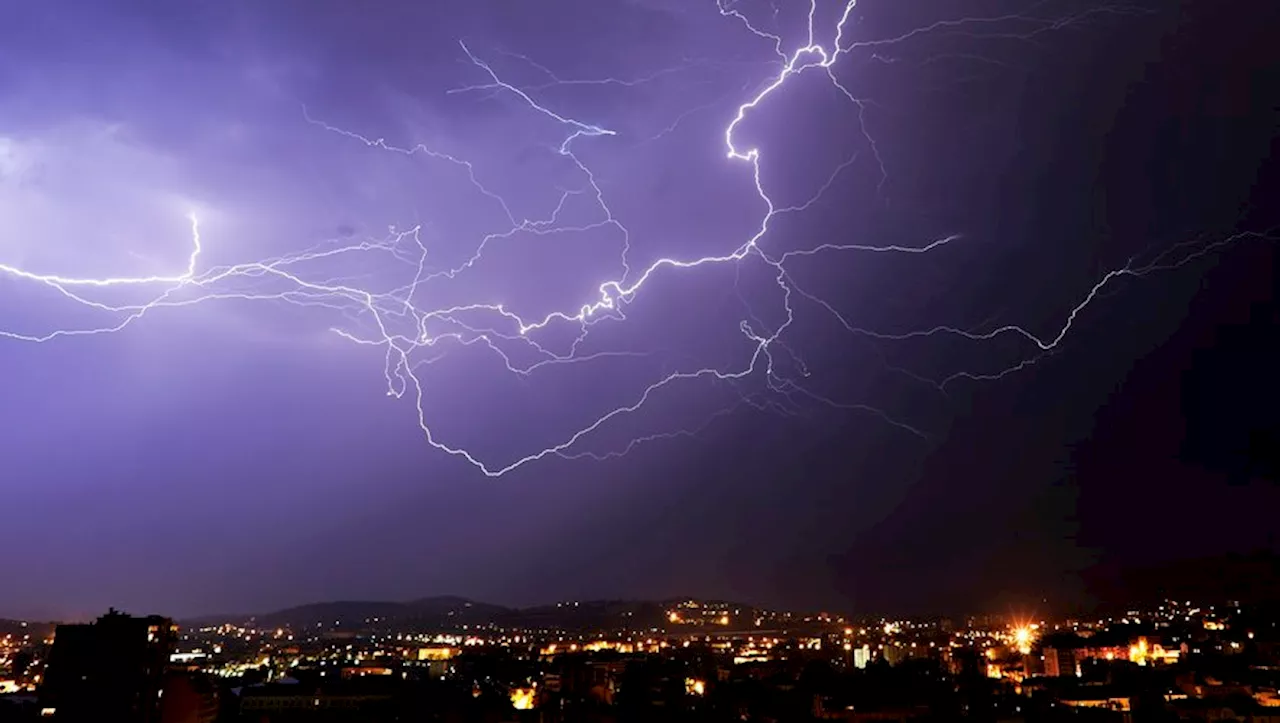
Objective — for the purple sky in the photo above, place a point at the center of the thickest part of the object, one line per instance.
(277, 427)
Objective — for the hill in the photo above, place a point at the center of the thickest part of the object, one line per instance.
(432, 612)
(19, 628)
(449, 613)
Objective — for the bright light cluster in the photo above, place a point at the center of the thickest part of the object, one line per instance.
(408, 334)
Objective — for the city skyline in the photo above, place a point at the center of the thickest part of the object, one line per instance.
(687, 660)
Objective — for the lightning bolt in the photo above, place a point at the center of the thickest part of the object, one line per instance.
(412, 337)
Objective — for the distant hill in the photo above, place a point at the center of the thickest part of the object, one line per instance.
(448, 605)
(20, 628)
(452, 613)
(587, 615)
(445, 612)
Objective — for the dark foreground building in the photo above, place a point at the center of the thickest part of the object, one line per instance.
(110, 670)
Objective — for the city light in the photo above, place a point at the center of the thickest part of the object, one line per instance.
(1138, 652)
(523, 698)
(335, 663)
(1023, 637)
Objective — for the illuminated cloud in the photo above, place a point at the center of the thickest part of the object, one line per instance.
(516, 253)
(83, 181)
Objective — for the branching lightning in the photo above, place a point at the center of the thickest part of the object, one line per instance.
(411, 335)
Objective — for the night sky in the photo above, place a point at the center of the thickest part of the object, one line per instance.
(377, 380)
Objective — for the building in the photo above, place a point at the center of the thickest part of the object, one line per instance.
(188, 698)
(861, 657)
(112, 669)
(361, 698)
(894, 654)
(1058, 662)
